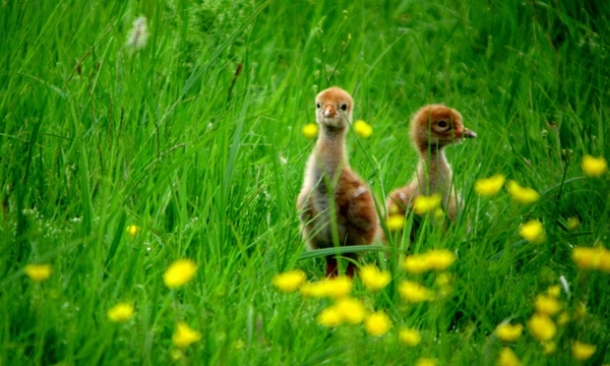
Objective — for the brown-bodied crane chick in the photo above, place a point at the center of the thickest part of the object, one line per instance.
(329, 181)
(432, 128)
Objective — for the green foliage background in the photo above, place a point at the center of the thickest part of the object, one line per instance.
(95, 136)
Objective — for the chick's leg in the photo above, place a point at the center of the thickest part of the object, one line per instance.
(332, 268)
(351, 270)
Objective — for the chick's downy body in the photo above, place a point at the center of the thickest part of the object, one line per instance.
(330, 186)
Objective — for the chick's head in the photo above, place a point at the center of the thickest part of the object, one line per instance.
(436, 126)
(334, 108)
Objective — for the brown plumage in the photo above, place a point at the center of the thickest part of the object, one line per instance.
(329, 180)
(432, 129)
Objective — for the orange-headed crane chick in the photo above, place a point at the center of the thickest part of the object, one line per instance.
(432, 128)
(331, 190)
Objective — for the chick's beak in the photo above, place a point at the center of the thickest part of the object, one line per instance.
(469, 134)
(329, 111)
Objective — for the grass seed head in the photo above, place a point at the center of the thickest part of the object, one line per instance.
(138, 35)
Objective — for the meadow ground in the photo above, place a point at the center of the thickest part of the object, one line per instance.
(120, 156)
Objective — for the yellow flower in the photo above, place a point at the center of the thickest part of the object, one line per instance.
(395, 222)
(522, 194)
(440, 259)
(587, 257)
(133, 230)
(583, 351)
(373, 278)
(547, 305)
(185, 336)
(435, 259)
(176, 354)
(563, 318)
(490, 186)
(363, 129)
(410, 337)
(554, 290)
(581, 310)
(542, 327)
(573, 223)
(533, 232)
(330, 317)
(443, 280)
(439, 214)
(414, 292)
(424, 204)
(378, 323)
(289, 281)
(508, 358)
(38, 272)
(416, 264)
(593, 167)
(333, 287)
(179, 273)
(549, 347)
(239, 344)
(121, 312)
(314, 289)
(508, 332)
(604, 259)
(339, 286)
(351, 310)
(424, 361)
(310, 130)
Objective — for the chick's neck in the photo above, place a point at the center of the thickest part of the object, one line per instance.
(330, 151)
(433, 171)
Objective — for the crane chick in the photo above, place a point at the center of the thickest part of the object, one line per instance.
(432, 129)
(333, 197)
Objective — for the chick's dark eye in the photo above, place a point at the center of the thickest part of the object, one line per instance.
(442, 123)
(343, 107)
(318, 105)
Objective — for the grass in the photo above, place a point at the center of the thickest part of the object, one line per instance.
(208, 161)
